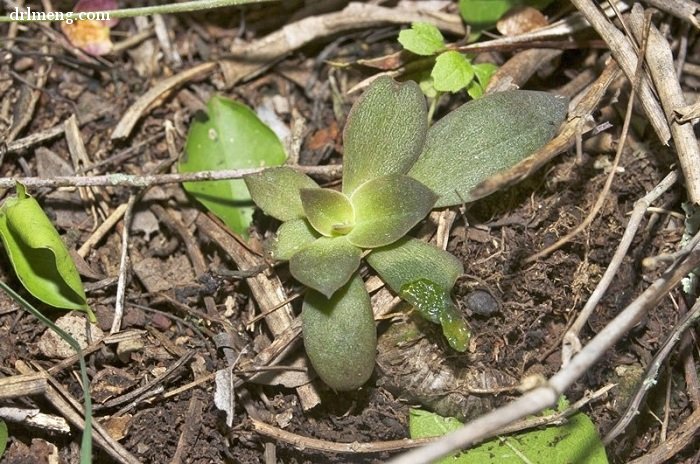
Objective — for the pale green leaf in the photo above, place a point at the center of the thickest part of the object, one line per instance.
(422, 39)
(3, 437)
(325, 264)
(576, 441)
(328, 211)
(452, 72)
(483, 14)
(475, 90)
(276, 191)
(409, 260)
(484, 72)
(485, 136)
(386, 208)
(339, 335)
(230, 136)
(38, 255)
(291, 237)
(384, 132)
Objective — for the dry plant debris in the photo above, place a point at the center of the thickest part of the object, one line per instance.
(574, 259)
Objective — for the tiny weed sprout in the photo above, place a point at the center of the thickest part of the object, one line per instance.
(396, 169)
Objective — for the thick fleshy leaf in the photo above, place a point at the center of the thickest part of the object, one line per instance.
(230, 136)
(483, 137)
(434, 303)
(38, 255)
(328, 211)
(340, 337)
(422, 39)
(384, 132)
(326, 264)
(276, 191)
(452, 72)
(409, 260)
(291, 237)
(386, 208)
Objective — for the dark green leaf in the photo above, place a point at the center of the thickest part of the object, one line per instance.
(384, 132)
(291, 237)
(339, 335)
(422, 39)
(328, 211)
(277, 192)
(483, 137)
(409, 260)
(386, 208)
(325, 264)
(576, 441)
(38, 255)
(230, 137)
(452, 72)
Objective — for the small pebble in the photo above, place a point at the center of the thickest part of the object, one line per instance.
(482, 303)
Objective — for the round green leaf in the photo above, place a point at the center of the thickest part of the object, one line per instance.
(452, 72)
(384, 132)
(340, 337)
(483, 137)
(422, 39)
(38, 255)
(325, 264)
(409, 260)
(229, 136)
(386, 208)
(328, 211)
(291, 237)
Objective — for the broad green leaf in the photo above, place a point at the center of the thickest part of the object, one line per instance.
(325, 264)
(452, 72)
(276, 191)
(483, 137)
(422, 39)
(384, 132)
(230, 136)
(484, 72)
(386, 208)
(483, 14)
(38, 255)
(434, 303)
(328, 211)
(291, 237)
(409, 260)
(575, 442)
(339, 335)
(3, 437)
(475, 90)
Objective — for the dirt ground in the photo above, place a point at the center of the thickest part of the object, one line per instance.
(184, 324)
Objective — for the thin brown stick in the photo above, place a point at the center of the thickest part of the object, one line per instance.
(128, 180)
(608, 182)
(571, 341)
(649, 380)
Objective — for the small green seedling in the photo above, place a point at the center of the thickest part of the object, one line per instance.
(396, 169)
(453, 71)
(483, 14)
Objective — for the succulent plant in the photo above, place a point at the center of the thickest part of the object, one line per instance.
(396, 169)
